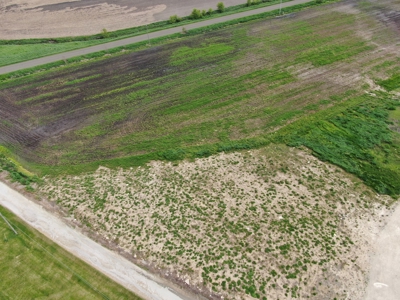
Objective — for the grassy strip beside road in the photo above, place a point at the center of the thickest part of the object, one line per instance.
(34, 267)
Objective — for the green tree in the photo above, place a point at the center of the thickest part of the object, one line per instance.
(174, 19)
(221, 7)
(196, 14)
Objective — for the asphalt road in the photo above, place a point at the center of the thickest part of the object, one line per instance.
(140, 38)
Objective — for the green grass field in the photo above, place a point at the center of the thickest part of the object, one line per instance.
(33, 267)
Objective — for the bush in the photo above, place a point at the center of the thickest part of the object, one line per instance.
(210, 11)
(196, 14)
(249, 2)
(174, 19)
(221, 7)
(104, 34)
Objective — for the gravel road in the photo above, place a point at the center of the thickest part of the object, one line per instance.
(384, 278)
(140, 38)
(109, 263)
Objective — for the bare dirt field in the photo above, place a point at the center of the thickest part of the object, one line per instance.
(57, 18)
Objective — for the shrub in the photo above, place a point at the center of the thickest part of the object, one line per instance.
(210, 11)
(105, 34)
(174, 19)
(221, 7)
(196, 14)
(249, 2)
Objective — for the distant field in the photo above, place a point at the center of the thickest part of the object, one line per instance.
(33, 267)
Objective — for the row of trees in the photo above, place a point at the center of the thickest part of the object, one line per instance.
(198, 14)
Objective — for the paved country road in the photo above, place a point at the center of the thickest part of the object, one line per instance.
(109, 263)
(141, 38)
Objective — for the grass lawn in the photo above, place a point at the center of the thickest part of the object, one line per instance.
(33, 267)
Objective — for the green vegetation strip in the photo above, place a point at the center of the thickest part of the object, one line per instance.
(33, 267)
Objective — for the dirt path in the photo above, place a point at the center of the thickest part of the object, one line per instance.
(384, 279)
(109, 263)
(140, 38)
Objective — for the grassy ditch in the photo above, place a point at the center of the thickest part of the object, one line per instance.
(33, 267)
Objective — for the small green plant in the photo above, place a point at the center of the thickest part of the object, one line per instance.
(105, 34)
(210, 11)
